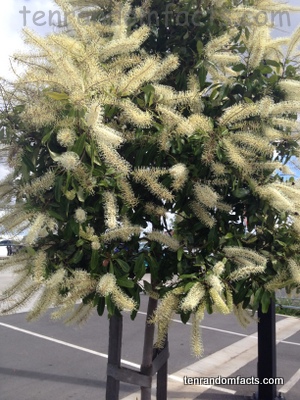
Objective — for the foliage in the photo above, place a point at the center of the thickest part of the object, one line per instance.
(114, 129)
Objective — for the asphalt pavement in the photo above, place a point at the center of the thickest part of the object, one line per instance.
(45, 360)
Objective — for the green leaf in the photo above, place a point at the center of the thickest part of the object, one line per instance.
(125, 267)
(185, 317)
(202, 75)
(101, 306)
(266, 69)
(46, 137)
(257, 297)
(187, 276)
(241, 193)
(147, 286)
(141, 102)
(239, 67)
(30, 251)
(148, 88)
(57, 188)
(94, 260)
(110, 111)
(151, 98)
(55, 215)
(246, 302)
(110, 306)
(273, 63)
(180, 252)
(139, 266)
(79, 145)
(149, 94)
(153, 267)
(28, 163)
(273, 79)
(209, 308)
(54, 156)
(57, 95)
(77, 257)
(283, 244)
(74, 226)
(265, 302)
(111, 267)
(223, 92)
(80, 195)
(199, 47)
(125, 282)
(189, 286)
(241, 292)
(250, 239)
(90, 149)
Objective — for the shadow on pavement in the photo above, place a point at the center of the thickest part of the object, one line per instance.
(51, 377)
(221, 396)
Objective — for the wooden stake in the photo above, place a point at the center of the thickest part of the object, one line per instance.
(266, 365)
(146, 366)
(114, 356)
(162, 376)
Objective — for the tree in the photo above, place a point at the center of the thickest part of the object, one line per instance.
(113, 125)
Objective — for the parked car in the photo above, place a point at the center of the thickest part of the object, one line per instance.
(12, 246)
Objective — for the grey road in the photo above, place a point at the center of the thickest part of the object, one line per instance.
(46, 360)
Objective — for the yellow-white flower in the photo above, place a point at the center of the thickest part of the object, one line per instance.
(66, 137)
(107, 284)
(80, 215)
(218, 268)
(179, 173)
(193, 298)
(70, 194)
(95, 245)
(69, 160)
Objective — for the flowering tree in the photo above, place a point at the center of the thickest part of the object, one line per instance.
(118, 137)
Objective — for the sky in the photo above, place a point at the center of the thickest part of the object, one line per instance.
(11, 25)
(12, 20)
(36, 14)
(39, 16)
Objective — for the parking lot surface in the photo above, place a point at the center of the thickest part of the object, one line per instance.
(45, 359)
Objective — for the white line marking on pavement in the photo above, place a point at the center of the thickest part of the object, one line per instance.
(103, 355)
(209, 328)
(235, 356)
(291, 382)
(221, 389)
(293, 343)
(50, 339)
(224, 362)
(254, 336)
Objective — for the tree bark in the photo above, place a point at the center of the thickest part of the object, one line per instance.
(146, 365)
(114, 355)
(266, 366)
(162, 378)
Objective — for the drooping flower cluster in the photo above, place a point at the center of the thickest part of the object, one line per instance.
(108, 149)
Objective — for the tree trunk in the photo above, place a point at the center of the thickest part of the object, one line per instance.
(266, 365)
(146, 365)
(162, 378)
(114, 356)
